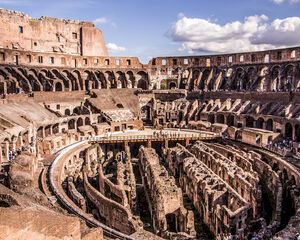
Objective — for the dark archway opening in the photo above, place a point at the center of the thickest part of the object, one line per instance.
(58, 87)
(260, 123)
(250, 122)
(288, 130)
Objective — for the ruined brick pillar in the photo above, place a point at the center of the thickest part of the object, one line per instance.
(6, 149)
(166, 144)
(1, 158)
(125, 145)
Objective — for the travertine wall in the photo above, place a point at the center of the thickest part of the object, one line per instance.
(18, 31)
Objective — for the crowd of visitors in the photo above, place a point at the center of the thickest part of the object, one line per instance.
(284, 146)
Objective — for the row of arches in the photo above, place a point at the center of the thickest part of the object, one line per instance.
(289, 130)
(264, 78)
(14, 80)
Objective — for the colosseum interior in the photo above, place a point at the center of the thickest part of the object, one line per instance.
(100, 147)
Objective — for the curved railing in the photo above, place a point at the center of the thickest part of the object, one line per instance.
(55, 183)
(174, 135)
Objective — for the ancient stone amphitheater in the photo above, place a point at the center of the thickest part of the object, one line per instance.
(99, 147)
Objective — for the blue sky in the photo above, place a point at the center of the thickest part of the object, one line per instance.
(151, 28)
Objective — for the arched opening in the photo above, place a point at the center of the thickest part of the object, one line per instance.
(220, 118)
(48, 130)
(67, 112)
(87, 121)
(288, 130)
(172, 85)
(71, 124)
(131, 79)
(211, 118)
(238, 80)
(274, 84)
(40, 132)
(95, 84)
(230, 120)
(122, 79)
(142, 84)
(204, 78)
(79, 122)
(250, 122)
(297, 132)
(143, 81)
(269, 125)
(58, 87)
(55, 129)
(77, 111)
(260, 123)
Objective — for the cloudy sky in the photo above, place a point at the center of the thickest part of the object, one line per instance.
(151, 28)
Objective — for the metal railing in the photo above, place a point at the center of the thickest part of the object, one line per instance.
(159, 137)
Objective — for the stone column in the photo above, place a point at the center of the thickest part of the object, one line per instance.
(6, 150)
(166, 144)
(1, 157)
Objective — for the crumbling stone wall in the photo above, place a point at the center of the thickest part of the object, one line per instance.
(221, 207)
(163, 196)
(50, 35)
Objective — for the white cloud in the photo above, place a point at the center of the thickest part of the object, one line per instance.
(281, 1)
(277, 1)
(253, 34)
(113, 48)
(101, 20)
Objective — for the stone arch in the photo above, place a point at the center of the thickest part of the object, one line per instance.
(40, 131)
(77, 76)
(288, 130)
(230, 120)
(131, 79)
(48, 130)
(91, 82)
(77, 111)
(211, 118)
(87, 121)
(73, 79)
(101, 79)
(275, 167)
(46, 80)
(193, 80)
(111, 79)
(288, 80)
(249, 122)
(238, 81)
(55, 128)
(143, 81)
(297, 132)
(34, 81)
(23, 83)
(269, 125)
(203, 80)
(121, 80)
(220, 118)
(58, 87)
(65, 81)
(172, 85)
(79, 122)
(67, 112)
(71, 124)
(259, 123)
(275, 78)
